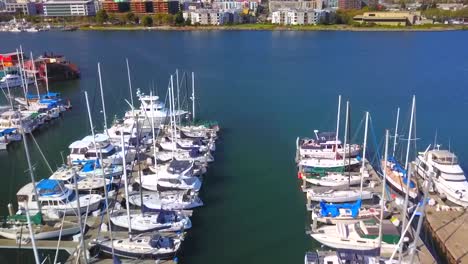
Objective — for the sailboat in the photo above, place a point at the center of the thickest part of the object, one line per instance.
(166, 221)
(141, 246)
(397, 175)
(15, 226)
(345, 213)
(174, 200)
(85, 185)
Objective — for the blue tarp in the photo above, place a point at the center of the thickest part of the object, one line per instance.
(48, 95)
(397, 167)
(7, 131)
(91, 165)
(48, 187)
(333, 210)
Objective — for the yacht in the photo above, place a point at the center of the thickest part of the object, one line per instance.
(325, 146)
(84, 150)
(166, 221)
(24, 121)
(54, 196)
(13, 81)
(152, 107)
(449, 180)
(8, 135)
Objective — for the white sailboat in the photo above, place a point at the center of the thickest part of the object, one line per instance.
(339, 196)
(175, 200)
(166, 221)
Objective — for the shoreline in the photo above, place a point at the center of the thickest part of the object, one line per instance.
(268, 27)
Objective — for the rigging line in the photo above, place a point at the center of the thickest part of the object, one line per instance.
(358, 129)
(374, 138)
(58, 242)
(42, 154)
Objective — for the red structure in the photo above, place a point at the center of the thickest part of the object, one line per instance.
(349, 4)
(110, 6)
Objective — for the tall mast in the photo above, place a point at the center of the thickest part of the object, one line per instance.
(364, 151)
(103, 175)
(35, 78)
(177, 80)
(396, 131)
(421, 216)
(193, 97)
(46, 77)
(382, 205)
(410, 131)
(7, 85)
(31, 234)
(337, 124)
(152, 128)
(82, 243)
(126, 186)
(130, 84)
(172, 115)
(30, 168)
(23, 81)
(102, 98)
(408, 170)
(345, 136)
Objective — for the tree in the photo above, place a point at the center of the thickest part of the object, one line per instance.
(130, 17)
(101, 16)
(188, 21)
(179, 18)
(147, 21)
(158, 19)
(168, 19)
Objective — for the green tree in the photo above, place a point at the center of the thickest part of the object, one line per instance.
(130, 18)
(168, 19)
(188, 21)
(158, 19)
(101, 16)
(179, 18)
(147, 21)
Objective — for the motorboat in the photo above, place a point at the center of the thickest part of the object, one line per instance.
(166, 221)
(448, 179)
(325, 146)
(13, 81)
(152, 108)
(84, 150)
(54, 196)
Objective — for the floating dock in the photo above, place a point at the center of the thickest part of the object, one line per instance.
(422, 253)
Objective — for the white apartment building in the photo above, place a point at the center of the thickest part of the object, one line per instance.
(70, 8)
(296, 17)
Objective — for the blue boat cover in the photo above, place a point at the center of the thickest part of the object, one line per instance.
(312, 257)
(91, 165)
(333, 210)
(43, 96)
(354, 256)
(48, 187)
(400, 169)
(165, 217)
(7, 131)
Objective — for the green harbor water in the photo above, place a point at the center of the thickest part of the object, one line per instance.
(265, 89)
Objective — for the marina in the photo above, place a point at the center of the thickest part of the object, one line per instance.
(249, 189)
